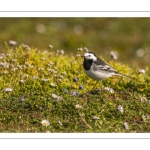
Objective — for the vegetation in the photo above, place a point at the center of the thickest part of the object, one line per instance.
(127, 36)
(48, 91)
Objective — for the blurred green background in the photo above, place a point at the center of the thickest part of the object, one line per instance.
(130, 37)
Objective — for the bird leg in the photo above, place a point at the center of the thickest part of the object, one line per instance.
(94, 86)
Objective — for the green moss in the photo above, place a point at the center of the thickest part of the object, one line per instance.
(36, 75)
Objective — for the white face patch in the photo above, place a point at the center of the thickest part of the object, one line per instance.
(90, 56)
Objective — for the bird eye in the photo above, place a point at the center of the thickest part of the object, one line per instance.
(89, 55)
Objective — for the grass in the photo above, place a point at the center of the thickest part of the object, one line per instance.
(51, 86)
(99, 34)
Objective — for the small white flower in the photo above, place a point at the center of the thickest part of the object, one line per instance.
(43, 58)
(26, 47)
(4, 64)
(61, 77)
(12, 65)
(50, 70)
(114, 54)
(142, 71)
(143, 99)
(86, 49)
(51, 63)
(40, 69)
(45, 80)
(11, 42)
(31, 66)
(120, 108)
(63, 73)
(60, 80)
(57, 51)
(95, 117)
(109, 89)
(50, 46)
(55, 72)
(62, 52)
(5, 72)
(45, 51)
(40, 28)
(14, 60)
(54, 96)
(80, 49)
(59, 98)
(140, 52)
(53, 84)
(60, 123)
(15, 69)
(45, 123)
(8, 55)
(78, 55)
(56, 69)
(55, 75)
(126, 125)
(35, 77)
(1, 57)
(24, 66)
(78, 106)
(19, 66)
(144, 117)
(26, 75)
(8, 90)
(22, 81)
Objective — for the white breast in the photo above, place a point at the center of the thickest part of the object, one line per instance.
(98, 75)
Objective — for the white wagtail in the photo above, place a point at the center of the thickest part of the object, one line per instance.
(97, 69)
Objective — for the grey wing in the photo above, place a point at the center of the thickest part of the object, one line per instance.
(102, 66)
(106, 68)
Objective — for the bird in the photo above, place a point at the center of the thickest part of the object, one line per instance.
(97, 69)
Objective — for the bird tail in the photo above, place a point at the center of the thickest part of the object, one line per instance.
(119, 74)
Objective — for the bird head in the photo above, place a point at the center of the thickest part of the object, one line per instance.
(90, 56)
